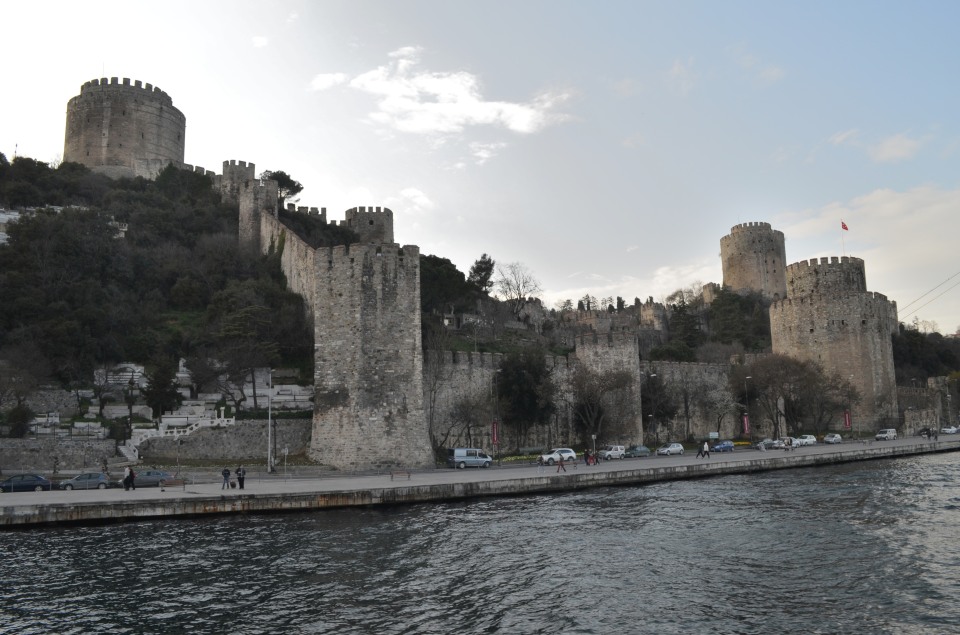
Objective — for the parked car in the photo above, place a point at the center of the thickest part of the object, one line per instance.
(468, 457)
(948, 430)
(637, 451)
(723, 446)
(770, 444)
(25, 483)
(887, 434)
(553, 456)
(807, 439)
(925, 433)
(612, 452)
(147, 478)
(88, 480)
(833, 437)
(670, 448)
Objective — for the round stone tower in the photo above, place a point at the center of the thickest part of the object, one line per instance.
(123, 130)
(754, 257)
(830, 318)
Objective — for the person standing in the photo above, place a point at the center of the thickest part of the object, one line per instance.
(706, 450)
(133, 479)
(126, 479)
(241, 473)
(560, 465)
(226, 478)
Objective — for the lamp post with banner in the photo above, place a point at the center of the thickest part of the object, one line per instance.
(746, 412)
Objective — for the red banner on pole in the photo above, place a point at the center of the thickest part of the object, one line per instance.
(746, 423)
(495, 433)
(846, 419)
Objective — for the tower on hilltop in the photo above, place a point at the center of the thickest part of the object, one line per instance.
(754, 258)
(123, 130)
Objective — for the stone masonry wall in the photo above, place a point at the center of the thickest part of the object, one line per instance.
(298, 260)
(616, 352)
(368, 359)
(20, 455)
(244, 441)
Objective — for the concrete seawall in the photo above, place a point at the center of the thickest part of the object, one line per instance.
(288, 495)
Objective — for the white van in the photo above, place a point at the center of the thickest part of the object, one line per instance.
(468, 457)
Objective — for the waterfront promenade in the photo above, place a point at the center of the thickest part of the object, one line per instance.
(286, 493)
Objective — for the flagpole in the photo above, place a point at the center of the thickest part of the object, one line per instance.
(843, 241)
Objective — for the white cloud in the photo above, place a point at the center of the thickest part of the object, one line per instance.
(899, 147)
(293, 17)
(324, 81)
(682, 76)
(260, 41)
(413, 201)
(483, 152)
(845, 137)
(765, 72)
(633, 141)
(417, 101)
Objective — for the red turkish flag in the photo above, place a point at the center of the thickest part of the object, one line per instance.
(844, 226)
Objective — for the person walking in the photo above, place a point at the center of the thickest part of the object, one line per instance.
(226, 478)
(126, 479)
(699, 452)
(241, 473)
(706, 450)
(560, 465)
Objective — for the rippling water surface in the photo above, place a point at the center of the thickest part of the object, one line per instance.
(861, 548)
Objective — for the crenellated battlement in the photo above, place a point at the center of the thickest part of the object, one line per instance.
(752, 226)
(610, 340)
(114, 84)
(826, 261)
(834, 275)
(371, 224)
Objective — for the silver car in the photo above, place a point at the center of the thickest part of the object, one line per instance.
(670, 448)
(88, 480)
(553, 456)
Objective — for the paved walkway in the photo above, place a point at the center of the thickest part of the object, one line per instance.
(273, 492)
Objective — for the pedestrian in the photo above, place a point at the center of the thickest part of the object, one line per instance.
(226, 478)
(706, 450)
(586, 457)
(241, 473)
(699, 452)
(560, 465)
(126, 478)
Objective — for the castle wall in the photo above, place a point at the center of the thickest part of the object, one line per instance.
(369, 367)
(232, 179)
(617, 352)
(849, 334)
(690, 385)
(753, 258)
(111, 125)
(298, 260)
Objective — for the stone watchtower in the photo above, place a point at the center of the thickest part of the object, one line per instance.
(371, 224)
(830, 318)
(368, 408)
(754, 258)
(123, 130)
(256, 199)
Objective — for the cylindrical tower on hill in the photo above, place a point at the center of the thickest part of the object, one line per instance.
(754, 257)
(123, 130)
(830, 318)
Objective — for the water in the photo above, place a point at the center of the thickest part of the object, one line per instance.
(858, 548)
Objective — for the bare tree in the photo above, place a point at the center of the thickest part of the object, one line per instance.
(515, 283)
(593, 393)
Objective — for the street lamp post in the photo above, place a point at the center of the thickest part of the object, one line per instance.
(746, 399)
(646, 376)
(270, 425)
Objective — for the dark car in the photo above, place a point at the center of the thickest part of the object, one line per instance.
(88, 480)
(723, 446)
(149, 478)
(637, 451)
(25, 483)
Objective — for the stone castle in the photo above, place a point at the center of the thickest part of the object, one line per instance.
(376, 398)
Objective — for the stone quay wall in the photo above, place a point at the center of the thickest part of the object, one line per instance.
(243, 441)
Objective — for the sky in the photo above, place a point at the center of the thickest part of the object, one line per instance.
(605, 146)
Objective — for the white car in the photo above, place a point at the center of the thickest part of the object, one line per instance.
(806, 439)
(948, 430)
(670, 448)
(553, 456)
(887, 434)
(833, 437)
(612, 452)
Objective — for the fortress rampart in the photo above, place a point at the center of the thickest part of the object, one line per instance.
(371, 224)
(113, 125)
(753, 256)
(826, 276)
